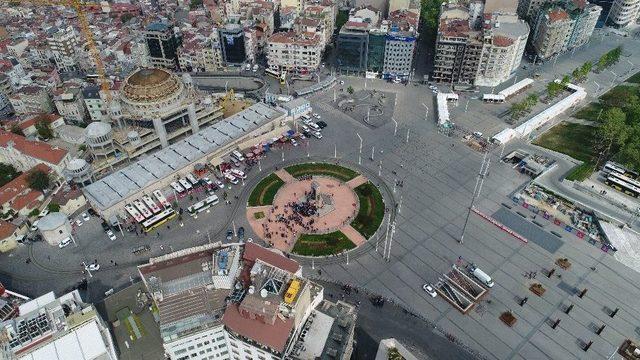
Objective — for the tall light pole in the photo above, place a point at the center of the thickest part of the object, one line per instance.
(395, 126)
(408, 135)
(359, 149)
(598, 87)
(426, 114)
(393, 231)
(484, 168)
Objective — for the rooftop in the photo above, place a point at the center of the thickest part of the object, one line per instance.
(35, 149)
(19, 186)
(121, 184)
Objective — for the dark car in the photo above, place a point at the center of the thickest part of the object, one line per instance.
(321, 124)
(241, 233)
(92, 212)
(306, 134)
(105, 226)
(229, 235)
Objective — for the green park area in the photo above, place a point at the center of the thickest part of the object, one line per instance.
(322, 244)
(575, 140)
(336, 171)
(371, 210)
(265, 191)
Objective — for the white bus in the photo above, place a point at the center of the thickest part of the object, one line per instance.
(161, 199)
(134, 213)
(185, 184)
(158, 219)
(230, 178)
(192, 179)
(238, 173)
(143, 209)
(151, 204)
(203, 205)
(177, 187)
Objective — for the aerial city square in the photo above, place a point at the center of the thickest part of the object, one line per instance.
(319, 179)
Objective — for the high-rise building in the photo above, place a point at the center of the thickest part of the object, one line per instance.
(232, 43)
(352, 47)
(376, 50)
(477, 48)
(398, 54)
(56, 328)
(162, 45)
(562, 26)
(623, 12)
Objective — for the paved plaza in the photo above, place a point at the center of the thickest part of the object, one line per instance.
(281, 225)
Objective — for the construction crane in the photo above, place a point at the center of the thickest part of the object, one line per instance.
(83, 23)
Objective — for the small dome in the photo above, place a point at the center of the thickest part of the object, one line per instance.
(52, 221)
(97, 129)
(77, 164)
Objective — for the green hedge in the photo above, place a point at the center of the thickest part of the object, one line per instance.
(265, 191)
(322, 244)
(581, 172)
(336, 171)
(371, 210)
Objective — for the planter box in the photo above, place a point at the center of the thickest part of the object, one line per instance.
(537, 289)
(508, 319)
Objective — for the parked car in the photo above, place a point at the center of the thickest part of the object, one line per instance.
(317, 135)
(229, 235)
(85, 217)
(111, 235)
(43, 213)
(78, 222)
(241, 233)
(34, 226)
(321, 124)
(64, 243)
(428, 288)
(294, 142)
(219, 184)
(105, 226)
(92, 212)
(93, 267)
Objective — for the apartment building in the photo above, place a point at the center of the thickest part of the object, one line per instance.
(70, 104)
(623, 13)
(31, 99)
(563, 26)
(95, 105)
(64, 44)
(398, 54)
(57, 328)
(294, 53)
(25, 154)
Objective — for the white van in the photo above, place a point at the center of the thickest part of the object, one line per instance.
(314, 126)
(237, 155)
(483, 277)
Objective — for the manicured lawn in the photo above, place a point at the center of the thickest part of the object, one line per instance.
(258, 215)
(321, 245)
(574, 140)
(336, 171)
(371, 210)
(590, 112)
(635, 78)
(581, 172)
(265, 191)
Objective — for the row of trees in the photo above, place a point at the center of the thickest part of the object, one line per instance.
(609, 58)
(580, 73)
(522, 107)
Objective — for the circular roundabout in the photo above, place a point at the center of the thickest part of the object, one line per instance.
(315, 209)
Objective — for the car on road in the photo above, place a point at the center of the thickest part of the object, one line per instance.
(78, 222)
(34, 226)
(241, 233)
(477, 134)
(321, 124)
(317, 135)
(64, 243)
(85, 217)
(111, 235)
(229, 235)
(93, 267)
(428, 288)
(294, 142)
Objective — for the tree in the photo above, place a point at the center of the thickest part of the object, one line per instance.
(15, 128)
(430, 13)
(341, 18)
(7, 173)
(565, 80)
(82, 147)
(34, 213)
(53, 207)
(350, 90)
(125, 18)
(195, 4)
(613, 130)
(38, 180)
(553, 89)
(586, 68)
(44, 129)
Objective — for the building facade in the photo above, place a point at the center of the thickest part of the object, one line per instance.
(25, 154)
(31, 99)
(624, 13)
(294, 53)
(64, 45)
(232, 44)
(398, 55)
(352, 47)
(162, 45)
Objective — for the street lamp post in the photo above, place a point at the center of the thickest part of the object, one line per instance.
(393, 231)
(395, 126)
(408, 135)
(359, 149)
(484, 168)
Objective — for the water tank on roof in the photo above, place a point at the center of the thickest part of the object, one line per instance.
(264, 293)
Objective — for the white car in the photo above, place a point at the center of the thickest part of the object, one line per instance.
(341, 82)
(220, 184)
(85, 217)
(93, 267)
(294, 142)
(64, 243)
(477, 134)
(34, 226)
(317, 134)
(428, 288)
(43, 213)
(78, 222)
(111, 235)
(315, 115)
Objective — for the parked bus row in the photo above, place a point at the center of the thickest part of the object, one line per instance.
(148, 214)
